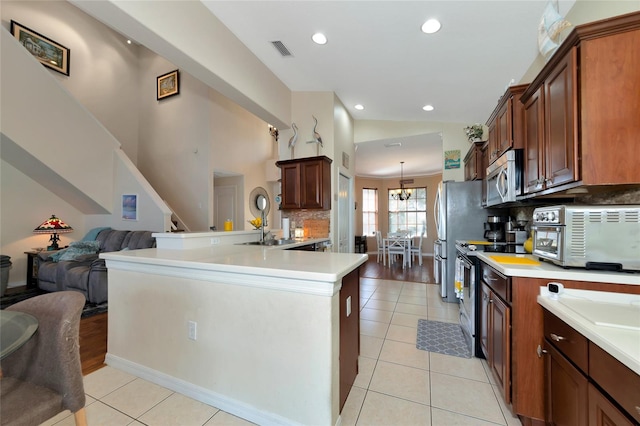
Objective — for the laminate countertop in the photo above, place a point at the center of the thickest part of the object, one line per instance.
(531, 267)
(610, 320)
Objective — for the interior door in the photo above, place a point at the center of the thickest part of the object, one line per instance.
(345, 215)
(224, 207)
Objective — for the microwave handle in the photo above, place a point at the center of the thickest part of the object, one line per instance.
(501, 184)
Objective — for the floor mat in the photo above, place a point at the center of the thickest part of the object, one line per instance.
(442, 337)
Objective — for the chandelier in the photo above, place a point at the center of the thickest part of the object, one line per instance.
(401, 194)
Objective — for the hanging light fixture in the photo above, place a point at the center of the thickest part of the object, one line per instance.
(401, 194)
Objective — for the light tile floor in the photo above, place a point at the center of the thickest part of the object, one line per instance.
(397, 384)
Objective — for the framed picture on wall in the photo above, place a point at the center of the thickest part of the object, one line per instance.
(168, 84)
(452, 159)
(130, 207)
(49, 53)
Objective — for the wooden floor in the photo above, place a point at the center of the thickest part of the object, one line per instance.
(93, 342)
(93, 330)
(417, 273)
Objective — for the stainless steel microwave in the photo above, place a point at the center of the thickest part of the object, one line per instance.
(505, 178)
(605, 237)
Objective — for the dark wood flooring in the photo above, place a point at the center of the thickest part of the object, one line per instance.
(93, 330)
(417, 273)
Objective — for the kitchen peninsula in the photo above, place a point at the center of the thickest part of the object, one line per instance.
(253, 330)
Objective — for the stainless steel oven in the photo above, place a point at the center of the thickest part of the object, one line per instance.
(466, 281)
(592, 237)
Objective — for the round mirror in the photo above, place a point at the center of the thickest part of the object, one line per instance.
(259, 202)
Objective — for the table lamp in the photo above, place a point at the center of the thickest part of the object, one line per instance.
(53, 226)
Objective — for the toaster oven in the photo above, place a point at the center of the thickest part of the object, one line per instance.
(605, 237)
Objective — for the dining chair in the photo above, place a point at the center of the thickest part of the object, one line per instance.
(417, 250)
(400, 247)
(380, 246)
(44, 376)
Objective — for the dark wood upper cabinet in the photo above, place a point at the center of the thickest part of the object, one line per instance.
(306, 183)
(581, 112)
(473, 162)
(506, 123)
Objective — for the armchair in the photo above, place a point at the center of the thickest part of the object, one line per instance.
(44, 376)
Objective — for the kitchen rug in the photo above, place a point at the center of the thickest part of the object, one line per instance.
(442, 337)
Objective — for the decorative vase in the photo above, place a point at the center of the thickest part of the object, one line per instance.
(528, 244)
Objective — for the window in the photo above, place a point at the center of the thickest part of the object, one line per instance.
(369, 211)
(411, 214)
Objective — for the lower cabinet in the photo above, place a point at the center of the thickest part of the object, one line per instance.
(575, 372)
(495, 327)
(349, 332)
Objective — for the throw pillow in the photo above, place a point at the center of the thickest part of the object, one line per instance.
(79, 248)
(551, 25)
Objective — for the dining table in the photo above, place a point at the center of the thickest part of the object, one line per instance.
(16, 328)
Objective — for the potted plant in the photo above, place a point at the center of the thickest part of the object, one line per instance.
(474, 132)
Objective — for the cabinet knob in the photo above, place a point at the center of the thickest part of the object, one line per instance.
(638, 409)
(540, 351)
(556, 338)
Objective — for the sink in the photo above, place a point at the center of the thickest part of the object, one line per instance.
(279, 242)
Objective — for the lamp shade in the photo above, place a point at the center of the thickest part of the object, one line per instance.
(53, 225)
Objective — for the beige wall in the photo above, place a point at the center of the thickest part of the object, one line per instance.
(382, 185)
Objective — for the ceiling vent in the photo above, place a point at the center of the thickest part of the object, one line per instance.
(281, 48)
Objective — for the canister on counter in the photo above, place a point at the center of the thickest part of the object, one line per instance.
(228, 225)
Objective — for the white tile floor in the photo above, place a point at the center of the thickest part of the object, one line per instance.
(397, 384)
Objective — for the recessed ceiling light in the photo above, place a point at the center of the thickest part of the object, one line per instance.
(319, 38)
(359, 107)
(128, 41)
(428, 108)
(431, 26)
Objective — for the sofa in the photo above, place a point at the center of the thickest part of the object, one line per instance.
(84, 271)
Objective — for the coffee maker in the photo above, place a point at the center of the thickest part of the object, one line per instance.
(515, 231)
(494, 229)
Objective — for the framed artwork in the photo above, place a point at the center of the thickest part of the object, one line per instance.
(48, 52)
(168, 84)
(130, 207)
(452, 159)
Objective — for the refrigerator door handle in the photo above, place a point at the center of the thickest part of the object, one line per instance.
(436, 212)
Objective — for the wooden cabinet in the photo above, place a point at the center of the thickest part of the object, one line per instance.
(306, 183)
(570, 137)
(473, 162)
(495, 327)
(349, 332)
(575, 372)
(527, 338)
(506, 123)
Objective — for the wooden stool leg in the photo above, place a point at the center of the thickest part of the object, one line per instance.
(80, 417)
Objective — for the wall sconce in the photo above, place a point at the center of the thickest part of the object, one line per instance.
(273, 132)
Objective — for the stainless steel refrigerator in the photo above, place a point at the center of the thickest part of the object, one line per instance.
(459, 215)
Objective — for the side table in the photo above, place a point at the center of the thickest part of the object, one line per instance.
(32, 269)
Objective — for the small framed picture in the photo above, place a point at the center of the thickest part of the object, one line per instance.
(168, 84)
(130, 207)
(48, 52)
(452, 159)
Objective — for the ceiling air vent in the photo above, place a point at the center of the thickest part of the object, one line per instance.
(281, 48)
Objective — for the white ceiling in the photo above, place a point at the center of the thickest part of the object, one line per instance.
(376, 55)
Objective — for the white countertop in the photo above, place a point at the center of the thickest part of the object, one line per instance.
(271, 261)
(550, 271)
(586, 311)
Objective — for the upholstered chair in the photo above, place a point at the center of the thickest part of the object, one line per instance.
(44, 376)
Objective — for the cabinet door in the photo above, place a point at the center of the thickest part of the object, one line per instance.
(602, 412)
(492, 151)
(566, 390)
(500, 344)
(290, 186)
(349, 332)
(484, 322)
(533, 144)
(504, 128)
(311, 185)
(561, 144)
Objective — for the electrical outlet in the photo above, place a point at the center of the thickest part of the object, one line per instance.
(215, 241)
(193, 330)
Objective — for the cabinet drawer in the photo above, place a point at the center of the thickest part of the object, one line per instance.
(500, 284)
(615, 378)
(569, 342)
